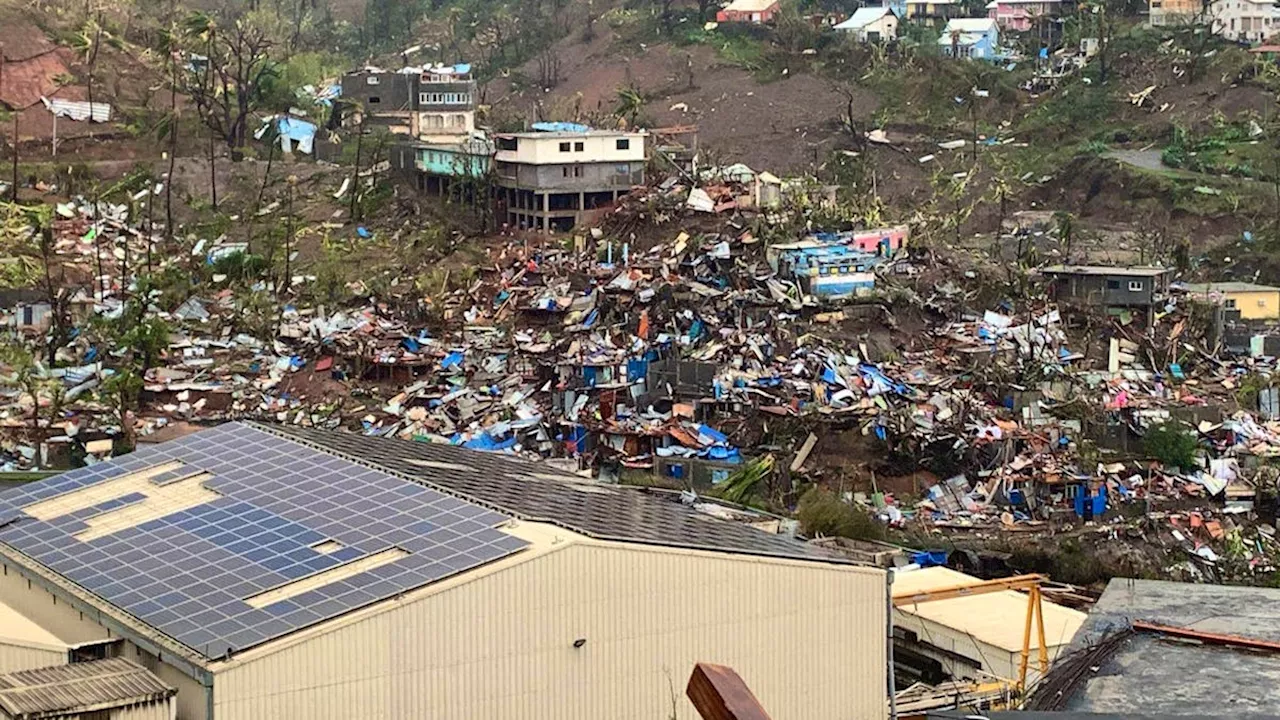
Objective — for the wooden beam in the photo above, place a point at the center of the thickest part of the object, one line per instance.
(719, 693)
(1207, 638)
(1019, 582)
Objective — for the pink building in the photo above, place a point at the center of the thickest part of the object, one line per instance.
(1021, 15)
(748, 11)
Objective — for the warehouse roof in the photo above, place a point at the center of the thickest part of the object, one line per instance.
(78, 688)
(234, 536)
(539, 493)
(995, 619)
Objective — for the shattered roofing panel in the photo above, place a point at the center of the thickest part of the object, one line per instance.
(189, 536)
(25, 82)
(540, 493)
(66, 689)
(22, 40)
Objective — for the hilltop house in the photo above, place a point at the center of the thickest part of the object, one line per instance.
(1254, 302)
(976, 38)
(748, 11)
(871, 24)
(1163, 13)
(933, 9)
(1250, 21)
(1105, 285)
(1021, 15)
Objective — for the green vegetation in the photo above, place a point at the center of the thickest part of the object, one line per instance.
(1226, 148)
(1171, 444)
(823, 513)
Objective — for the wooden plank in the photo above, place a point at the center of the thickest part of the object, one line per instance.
(719, 693)
(803, 455)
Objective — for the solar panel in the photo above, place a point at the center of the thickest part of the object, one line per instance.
(189, 572)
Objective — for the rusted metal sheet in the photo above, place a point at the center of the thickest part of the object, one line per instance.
(719, 693)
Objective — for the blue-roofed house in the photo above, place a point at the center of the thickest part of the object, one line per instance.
(974, 38)
(280, 572)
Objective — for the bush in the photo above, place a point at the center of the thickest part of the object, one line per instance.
(822, 513)
(1171, 445)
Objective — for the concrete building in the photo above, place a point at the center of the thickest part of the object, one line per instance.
(1171, 13)
(114, 689)
(1249, 21)
(1022, 15)
(434, 104)
(871, 24)
(1106, 285)
(271, 572)
(971, 638)
(1252, 301)
(551, 177)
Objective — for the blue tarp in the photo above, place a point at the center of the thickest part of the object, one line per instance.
(929, 558)
(560, 127)
(292, 130)
(487, 443)
(715, 435)
(453, 359)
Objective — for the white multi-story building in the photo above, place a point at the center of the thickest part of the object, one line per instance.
(1250, 21)
(551, 176)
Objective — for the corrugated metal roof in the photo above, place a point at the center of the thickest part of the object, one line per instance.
(542, 494)
(994, 618)
(79, 687)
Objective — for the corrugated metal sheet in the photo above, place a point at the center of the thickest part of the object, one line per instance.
(809, 639)
(78, 109)
(100, 684)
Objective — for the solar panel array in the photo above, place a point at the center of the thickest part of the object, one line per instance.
(190, 572)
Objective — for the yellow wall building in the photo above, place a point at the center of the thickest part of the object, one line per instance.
(600, 605)
(1255, 302)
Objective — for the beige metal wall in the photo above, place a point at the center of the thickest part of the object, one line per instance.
(21, 657)
(994, 660)
(40, 606)
(808, 638)
(146, 711)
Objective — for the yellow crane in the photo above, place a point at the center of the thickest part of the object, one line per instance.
(1035, 611)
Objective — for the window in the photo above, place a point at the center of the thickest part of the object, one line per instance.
(577, 147)
(622, 169)
(564, 171)
(1113, 284)
(507, 143)
(564, 147)
(577, 171)
(1135, 286)
(1231, 303)
(624, 144)
(373, 80)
